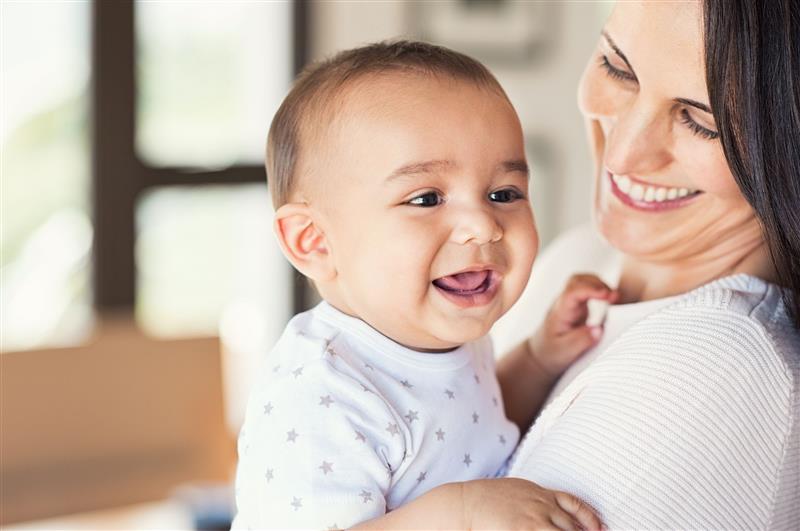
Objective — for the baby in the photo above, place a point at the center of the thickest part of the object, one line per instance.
(400, 183)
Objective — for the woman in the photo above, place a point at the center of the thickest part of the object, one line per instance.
(687, 415)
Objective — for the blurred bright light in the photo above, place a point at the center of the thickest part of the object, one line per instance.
(210, 77)
(46, 232)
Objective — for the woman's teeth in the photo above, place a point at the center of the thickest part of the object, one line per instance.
(649, 194)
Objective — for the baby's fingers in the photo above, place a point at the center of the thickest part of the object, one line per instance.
(563, 521)
(578, 340)
(581, 288)
(571, 308)
(580, 511)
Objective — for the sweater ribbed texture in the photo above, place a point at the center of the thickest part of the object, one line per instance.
(689, 420)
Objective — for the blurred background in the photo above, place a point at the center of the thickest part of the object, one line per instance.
(141, 283)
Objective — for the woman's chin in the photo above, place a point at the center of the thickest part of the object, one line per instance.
(629, 236)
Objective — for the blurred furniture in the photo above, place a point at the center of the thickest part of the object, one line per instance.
(124, 419)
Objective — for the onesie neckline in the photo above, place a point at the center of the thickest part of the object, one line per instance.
(347, 324)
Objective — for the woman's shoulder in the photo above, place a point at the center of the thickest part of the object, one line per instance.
(736, 328)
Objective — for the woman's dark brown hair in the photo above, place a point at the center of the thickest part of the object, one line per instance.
(752, 54)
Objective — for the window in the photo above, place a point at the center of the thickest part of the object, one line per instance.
(132, 142)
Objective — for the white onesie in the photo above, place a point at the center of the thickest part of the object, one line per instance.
(344, 425)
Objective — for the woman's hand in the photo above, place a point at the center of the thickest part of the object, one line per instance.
(511, 503)
(564, 335)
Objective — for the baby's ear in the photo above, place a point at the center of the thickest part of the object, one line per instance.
(303, 241)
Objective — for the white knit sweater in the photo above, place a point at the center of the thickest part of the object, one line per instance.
(689, 419)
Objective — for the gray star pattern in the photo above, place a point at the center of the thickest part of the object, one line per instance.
(326, 467)
(393, 429)
(326, 401)
(502, 439)
(406, 384)
(477, 379)
(298, 371)
(467, 460)
(366, 495)
(440, 435)
(421, 477)
(268, 408)
(291, 436)
(450, 394)
(269, 475)
(411, 416)
(296, 503)
(475, 417)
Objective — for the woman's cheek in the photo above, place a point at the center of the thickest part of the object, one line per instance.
(705, 163)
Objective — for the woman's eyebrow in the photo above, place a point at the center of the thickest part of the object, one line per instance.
(616, 49)
(697, 104)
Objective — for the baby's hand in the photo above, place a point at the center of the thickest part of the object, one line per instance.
(564, 335)
(511, 503)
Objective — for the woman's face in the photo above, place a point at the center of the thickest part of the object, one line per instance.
(664, 191)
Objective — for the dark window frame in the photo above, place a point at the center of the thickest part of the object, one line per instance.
(119, 176)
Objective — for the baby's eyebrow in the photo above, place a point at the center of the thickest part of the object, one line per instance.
(516, 165)
(416, 168)
(432, 166)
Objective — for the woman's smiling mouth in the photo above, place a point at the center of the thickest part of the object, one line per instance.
(469, 288)
(650, 198)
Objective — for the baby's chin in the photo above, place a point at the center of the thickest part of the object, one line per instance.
(463, 331)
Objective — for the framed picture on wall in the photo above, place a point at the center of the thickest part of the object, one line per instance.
(494, 31)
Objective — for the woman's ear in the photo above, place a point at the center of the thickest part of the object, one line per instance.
(303, 241)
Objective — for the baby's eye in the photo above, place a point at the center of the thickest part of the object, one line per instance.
(428, 199)
(506, 195)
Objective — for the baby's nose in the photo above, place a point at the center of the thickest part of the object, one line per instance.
(476, 225)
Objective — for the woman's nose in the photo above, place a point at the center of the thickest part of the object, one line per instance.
(477, 225)
(637, 140)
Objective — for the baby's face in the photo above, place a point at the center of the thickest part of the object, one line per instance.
(426, 210)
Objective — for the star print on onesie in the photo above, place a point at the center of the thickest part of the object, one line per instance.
(344, 424)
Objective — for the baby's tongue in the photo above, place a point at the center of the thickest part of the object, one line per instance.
(467, 281)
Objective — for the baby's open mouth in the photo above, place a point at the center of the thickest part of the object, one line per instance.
(466, 283)
(469, 289)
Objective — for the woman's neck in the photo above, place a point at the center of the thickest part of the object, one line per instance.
(643, 280)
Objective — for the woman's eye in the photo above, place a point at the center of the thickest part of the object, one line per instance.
(696, 128)
(428, 199)
(505, 196)
(614, 72)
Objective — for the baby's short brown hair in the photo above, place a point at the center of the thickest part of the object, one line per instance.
(309, 104)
